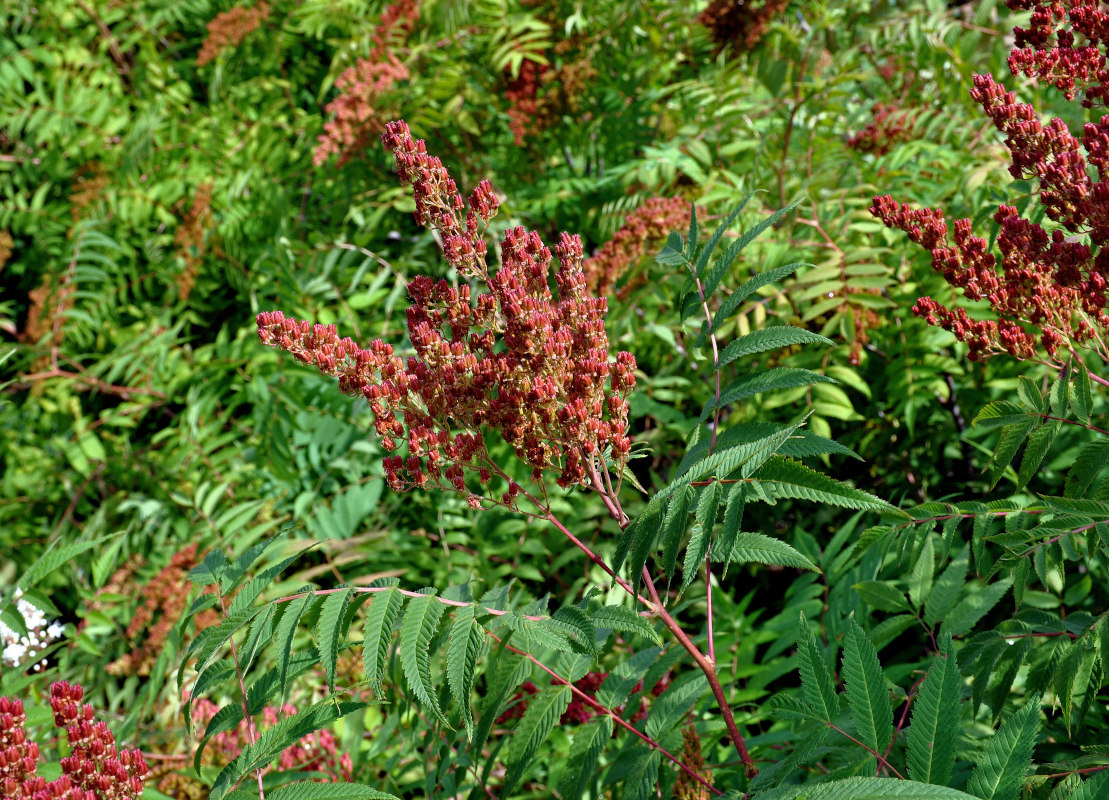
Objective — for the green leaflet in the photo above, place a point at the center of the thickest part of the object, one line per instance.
(1012, 436)
(920, 579)
(464, 648)
(585, 752)
(672, 706)
(1082, 400)
(975, 605)
(1006, 757)
(618, 685)
(752, 285)
(999, 414)
(1089, 462)
(701, 538)
(771, 380)
(421, 620)
(936, 714)
(54, 559)
(283, 638)
(759, 548)
(377, 632)
(817, 686)
(621, 618)
(946, 589)
(543, 712)
(226, 719)
(783, 477)
(733, 519)
(865, 684)
(310, 790)
(1038, 444)
(759, 341)
(864, 789)
(329, 631)
(275, 739)
(674, 526)
(706, 251)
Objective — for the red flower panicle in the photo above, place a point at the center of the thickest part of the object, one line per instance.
(356, 113)
(1050, 290)
(644, 229)
(229, 29)
(95, 769)
(513, 359)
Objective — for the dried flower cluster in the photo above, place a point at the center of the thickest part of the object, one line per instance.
(191, 238)
(19, 650)
(890, 125)
(229, 28)
(740, 23)
(686, 788)
(7, 245)
(356, 114)
(88, 187)
(643, 231)
(316, 752)
(95, 768)
(1050, 291)
(513, 359)
(522, 94)
(161, 601)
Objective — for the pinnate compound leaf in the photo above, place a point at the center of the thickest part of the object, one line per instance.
(758, 548)
(416, 631)
(464, 647)
(817, 686)
(328, 632)
(867, 695)
(936, 716)
(864, 789)
(377, 632)
(542, 714)
(1006, 757)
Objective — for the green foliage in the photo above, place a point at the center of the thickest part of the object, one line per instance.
(804, 449)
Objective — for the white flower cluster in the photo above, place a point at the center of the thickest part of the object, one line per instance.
(19, 649)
